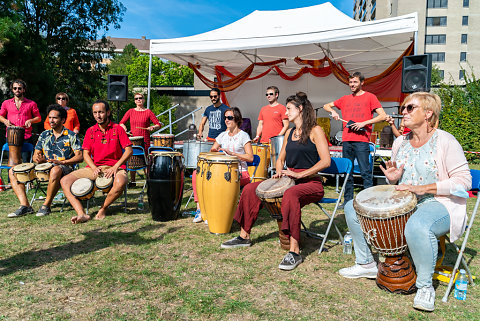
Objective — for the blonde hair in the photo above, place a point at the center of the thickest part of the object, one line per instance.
(138, 94)
(427, 101)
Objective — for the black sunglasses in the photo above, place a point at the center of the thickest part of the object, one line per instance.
(138, 98)
(213, 96)
(61, 98)
(17, 88)
(409, 108)
(229, 117)
(269, 94)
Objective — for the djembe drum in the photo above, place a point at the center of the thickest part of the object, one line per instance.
(383, 213)
(270, 192)
(163, 140)
(42, 171)
(137, 161)
(15, 138)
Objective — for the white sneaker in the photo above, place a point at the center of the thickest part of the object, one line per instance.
(357, 271)
(206, 222)
(198, 217)
(425, 299)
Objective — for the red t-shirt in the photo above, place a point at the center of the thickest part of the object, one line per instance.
(358, 109)
(272, 121)
(106, 149)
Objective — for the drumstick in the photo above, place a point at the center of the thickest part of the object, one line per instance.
(345, 121)
(142, 128)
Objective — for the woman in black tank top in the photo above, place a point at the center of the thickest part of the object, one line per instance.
(305, 152)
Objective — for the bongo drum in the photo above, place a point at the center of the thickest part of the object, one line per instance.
(137, 161)
(163, 140)
(221, 190)
(24, 172)
(383, 213)
(15, 138)
(83, 189)
(165, 181)
(201, 172)
(263, 151)
(42, 172)
(270, 192)
(104, 184)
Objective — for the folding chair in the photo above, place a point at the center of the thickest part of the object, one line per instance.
(460, 258)
(2, 167)
(255, 162)
(338, 166)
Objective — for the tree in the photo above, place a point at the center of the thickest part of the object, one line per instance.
(119, 62)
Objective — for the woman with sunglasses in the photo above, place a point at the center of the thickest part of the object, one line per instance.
(234, 142)
(430, 163)
(72, 123)
(140, 119)
(305, 153)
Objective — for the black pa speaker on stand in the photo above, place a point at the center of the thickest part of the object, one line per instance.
(117, 90)
(416, 73)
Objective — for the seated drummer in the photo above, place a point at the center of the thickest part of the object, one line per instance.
(430, 163)
(58, 146)
(106, 148)
(305, 151)
(234, 142)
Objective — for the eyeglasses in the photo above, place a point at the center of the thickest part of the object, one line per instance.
(138, 98)
(61, 98)
(269, 94)
(409, 108)
(213, 96)
(17, 88)
(229, 117)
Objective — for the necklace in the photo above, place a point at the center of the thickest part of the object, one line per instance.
(297, 134)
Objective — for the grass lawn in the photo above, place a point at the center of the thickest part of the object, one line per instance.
(129, 267)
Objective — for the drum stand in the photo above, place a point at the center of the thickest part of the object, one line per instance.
(396, 275)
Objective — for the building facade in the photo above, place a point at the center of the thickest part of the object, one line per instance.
(446, 30)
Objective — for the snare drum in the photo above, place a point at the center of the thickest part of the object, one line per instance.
(104, 184)
(270, 192)
(137, 161)
(221, 190)
(83, 189)
(15, 138)
(24, 172)
(263, 151)
(163, 140)
(42, 171)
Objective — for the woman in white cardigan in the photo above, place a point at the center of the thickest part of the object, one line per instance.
(430, 163)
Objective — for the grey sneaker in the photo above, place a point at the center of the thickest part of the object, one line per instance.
(21, 211)
(44, 211)
(290, 261)
(357, 271)
(236, 242)
(425, 299)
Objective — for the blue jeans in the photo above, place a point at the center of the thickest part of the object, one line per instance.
(430, 221)
(360, 151)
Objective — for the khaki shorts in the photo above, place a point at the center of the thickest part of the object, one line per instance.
(87, 172)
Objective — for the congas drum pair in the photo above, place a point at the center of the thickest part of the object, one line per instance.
(276, 143)
(165, 180)
(383, 213)
(221, 190)
(15, 138)
(104, 184)
(200, 174)
(193, 148)
(42, 171)
(270, 192)
(24, 173)
(263, 151)
(83, 189)
(163, 140)
(137, 161)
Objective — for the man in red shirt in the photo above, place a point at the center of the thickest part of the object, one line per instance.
(106, 148)
(272, 120)
(357, 107)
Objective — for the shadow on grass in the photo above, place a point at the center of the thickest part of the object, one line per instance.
(94, 240)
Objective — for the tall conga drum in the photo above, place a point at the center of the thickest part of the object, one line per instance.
(165, 180)
(270, 192)
(15, 138)
(263, 151)
(221, 190)
(200, 174)
(383, 213)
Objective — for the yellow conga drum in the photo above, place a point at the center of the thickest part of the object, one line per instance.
(221, 190)
(201, 171)
(263, 151)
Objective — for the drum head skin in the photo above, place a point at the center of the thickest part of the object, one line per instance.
(25, 167)
(222, 158)
(136, 138)
(103, 182)
(43, 167)
(274, 187)
(82, 187)
(165, 153)
(383, 201)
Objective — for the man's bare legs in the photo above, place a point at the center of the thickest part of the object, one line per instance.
(117, 189)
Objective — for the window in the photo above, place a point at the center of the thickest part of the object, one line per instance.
(435, 39)
(437, 3)
(466, 3)
(461, 74)
(436, 21)
(464, 38)
(437, 56)
(441, 73)
(463, 56)
(465, 21)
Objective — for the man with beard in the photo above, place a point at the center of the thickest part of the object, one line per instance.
(106, 148)
(215, 114)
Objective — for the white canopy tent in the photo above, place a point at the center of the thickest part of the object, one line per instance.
(309, 33)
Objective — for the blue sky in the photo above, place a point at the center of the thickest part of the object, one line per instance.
(158, 19)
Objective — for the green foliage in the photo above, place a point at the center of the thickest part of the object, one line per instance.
(119, 63)
(436, 78)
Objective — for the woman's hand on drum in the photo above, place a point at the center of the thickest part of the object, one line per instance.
(28, 123)
(277, 175)
(227, 151)
(417, 189)
(392, 172)
(289, 173)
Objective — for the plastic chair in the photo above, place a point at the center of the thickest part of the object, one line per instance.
(255, 162)
(460, 258)
(338, 166)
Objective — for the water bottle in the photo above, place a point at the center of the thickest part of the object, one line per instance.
(140, 202)
(347, 243)
(461, 286)
(377, 143)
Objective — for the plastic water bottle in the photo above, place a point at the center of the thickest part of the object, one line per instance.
(461, 286)
(140, 202)
(347, 243)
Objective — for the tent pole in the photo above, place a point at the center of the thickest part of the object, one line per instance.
(149, 81)
(415, 45)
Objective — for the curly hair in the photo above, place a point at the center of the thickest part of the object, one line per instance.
(307, 113)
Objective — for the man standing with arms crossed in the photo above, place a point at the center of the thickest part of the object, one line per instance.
(357, 107)
(272, 120)
(215, 115)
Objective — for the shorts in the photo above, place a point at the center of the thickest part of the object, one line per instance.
(66, 169)
(87, 172)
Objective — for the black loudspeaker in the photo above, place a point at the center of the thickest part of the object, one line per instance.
(416, 73)
(117, 87)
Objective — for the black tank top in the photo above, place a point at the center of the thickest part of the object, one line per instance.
(300, 156)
